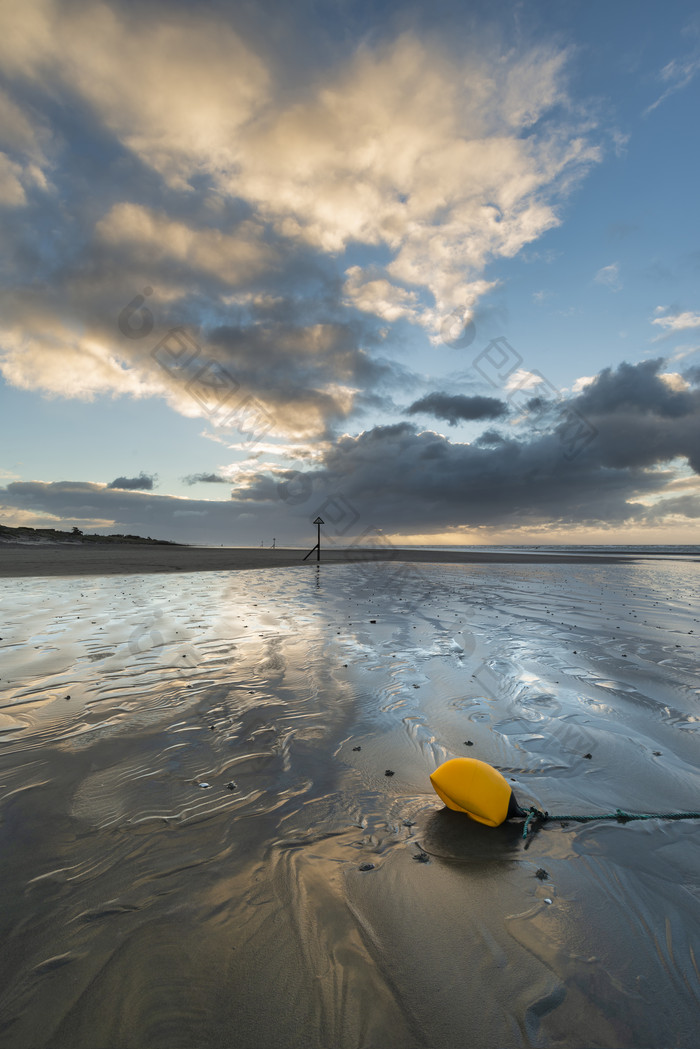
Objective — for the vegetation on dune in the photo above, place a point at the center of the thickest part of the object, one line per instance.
(54, 535)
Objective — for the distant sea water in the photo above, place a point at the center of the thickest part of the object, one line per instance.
(650, 549)
(683, 550)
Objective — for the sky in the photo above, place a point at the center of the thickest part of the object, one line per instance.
(428, 271)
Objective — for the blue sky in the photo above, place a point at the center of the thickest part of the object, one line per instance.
(428, 270)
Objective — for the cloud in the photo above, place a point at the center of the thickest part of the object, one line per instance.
(456, 408)
(489, 437)
(643, 436)
(23, 163)
(444, 158)
(280, 213)
(687, 506)
(677, 75)
(142, 483)
(643, 416)
(677, 321)
(641, 388)
(380, 297)
(150, 239)
(11, 189)
(397, 479)
(582, 382)
(206, 478)
(638, 427)
(108, 510)
(174, 90)
(609, 276)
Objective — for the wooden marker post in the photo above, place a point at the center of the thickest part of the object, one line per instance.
(318, 522)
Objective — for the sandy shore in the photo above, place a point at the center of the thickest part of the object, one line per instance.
(200, 845)
(55, 560)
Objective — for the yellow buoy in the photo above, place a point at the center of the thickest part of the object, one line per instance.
(471, 786)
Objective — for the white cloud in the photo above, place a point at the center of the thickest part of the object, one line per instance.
(380, 296)
(683, 351)
(678, 321)
(582, 382)
(674, 381)
(677, 74)
(609, 276)
(522, 380)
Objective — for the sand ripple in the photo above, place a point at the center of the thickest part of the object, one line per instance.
(193, 770)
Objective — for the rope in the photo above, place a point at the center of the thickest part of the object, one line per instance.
(536, 816)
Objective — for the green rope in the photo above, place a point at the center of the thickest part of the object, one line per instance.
(536, 816)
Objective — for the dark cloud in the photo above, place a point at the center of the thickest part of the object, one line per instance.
(400, 480)
(640, 418)
(589, 460)
(304, 375)
(635, 427)
(142, 483)
(101, 509)
(205, 479)
(489, 437)
(456, 408)
(635, 387)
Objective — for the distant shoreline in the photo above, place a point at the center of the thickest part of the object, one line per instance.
(29, 559)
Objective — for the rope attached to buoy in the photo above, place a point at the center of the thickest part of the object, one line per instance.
(536, 816)
(480, 791)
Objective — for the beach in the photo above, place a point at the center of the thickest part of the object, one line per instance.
(194, 772)
(52, 559)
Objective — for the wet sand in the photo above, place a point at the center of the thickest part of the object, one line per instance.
(51, 559)
(192, 774)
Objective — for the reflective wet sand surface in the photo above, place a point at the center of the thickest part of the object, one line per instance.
(185, 810)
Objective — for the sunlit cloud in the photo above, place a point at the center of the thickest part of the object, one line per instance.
(151, 239)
